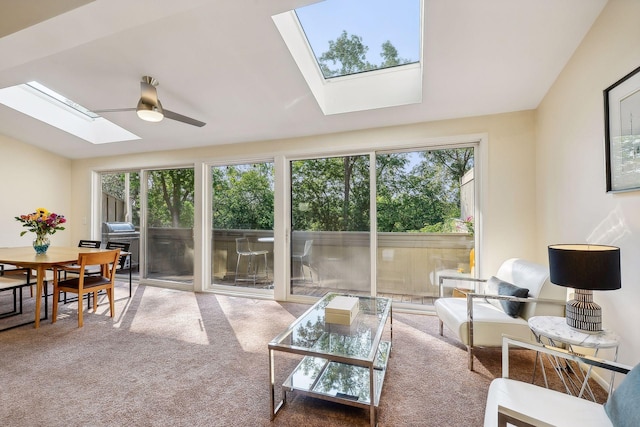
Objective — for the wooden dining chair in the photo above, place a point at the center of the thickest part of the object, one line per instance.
(84, 284)
(90, 270)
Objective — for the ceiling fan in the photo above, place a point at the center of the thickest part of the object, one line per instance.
(149, 107)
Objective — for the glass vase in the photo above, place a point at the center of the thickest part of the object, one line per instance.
(41, 244)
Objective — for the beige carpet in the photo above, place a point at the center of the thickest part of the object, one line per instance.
(172, 358)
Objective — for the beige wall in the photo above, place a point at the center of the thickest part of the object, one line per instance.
(29, 179)
(573, 206)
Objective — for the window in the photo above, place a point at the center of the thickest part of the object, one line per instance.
(386, 59)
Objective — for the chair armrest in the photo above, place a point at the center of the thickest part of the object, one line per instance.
(518, 299)
(441, 280)
(508, 341)
(509, 417)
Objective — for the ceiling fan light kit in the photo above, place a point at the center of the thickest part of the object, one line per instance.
(149, 113)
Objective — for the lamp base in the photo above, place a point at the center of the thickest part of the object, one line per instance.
(583, 314)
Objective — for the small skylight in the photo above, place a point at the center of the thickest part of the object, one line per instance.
(353, 36)
(357, 55)
(46, 105)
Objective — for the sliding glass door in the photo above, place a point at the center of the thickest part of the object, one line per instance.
(425, 215)
(242, 225)
(330, 237)
(168, 230)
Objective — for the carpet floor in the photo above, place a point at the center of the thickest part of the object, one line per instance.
(172, 358)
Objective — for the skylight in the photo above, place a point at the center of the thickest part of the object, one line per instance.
(48, 106)
(352, 36)
(318, 36)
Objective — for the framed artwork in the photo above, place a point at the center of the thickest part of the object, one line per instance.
(622, 133)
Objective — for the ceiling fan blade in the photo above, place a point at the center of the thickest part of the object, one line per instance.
(184, 119)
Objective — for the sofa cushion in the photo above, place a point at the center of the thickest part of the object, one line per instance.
(622, 407)
(496, 286)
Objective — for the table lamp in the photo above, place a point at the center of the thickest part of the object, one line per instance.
(585, 268)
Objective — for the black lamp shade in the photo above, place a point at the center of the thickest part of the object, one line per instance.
(595, 267)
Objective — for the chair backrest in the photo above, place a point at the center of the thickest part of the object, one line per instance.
(242, 245)
(308, 245)
(123, 246)
(107, 259)
(535, 277)
(95, 244)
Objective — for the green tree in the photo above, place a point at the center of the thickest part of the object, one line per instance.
(349, 54)
(331, 194)
(243, 197)
(170, 198)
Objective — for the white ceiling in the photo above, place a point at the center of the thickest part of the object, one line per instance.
(224, 62)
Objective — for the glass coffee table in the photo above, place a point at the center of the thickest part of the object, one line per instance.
(341, 363)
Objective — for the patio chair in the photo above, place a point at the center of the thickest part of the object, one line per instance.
(243, 249)
(305, 255)
(86, 284)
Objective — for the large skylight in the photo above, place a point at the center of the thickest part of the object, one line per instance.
(351, 36)
(361, 79)
(48, 106)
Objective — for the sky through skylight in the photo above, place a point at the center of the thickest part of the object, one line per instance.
(376, 21)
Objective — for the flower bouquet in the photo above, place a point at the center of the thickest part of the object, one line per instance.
(42, 222)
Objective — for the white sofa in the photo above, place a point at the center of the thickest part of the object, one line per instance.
(522, 404)
(478, 323)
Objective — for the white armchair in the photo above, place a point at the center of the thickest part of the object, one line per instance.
(479, 320)
(516, 403)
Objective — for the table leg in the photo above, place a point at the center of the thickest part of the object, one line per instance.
(39, 284)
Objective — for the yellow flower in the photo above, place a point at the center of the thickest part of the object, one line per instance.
(42, 213)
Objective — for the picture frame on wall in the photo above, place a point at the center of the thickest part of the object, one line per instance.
(622, 133)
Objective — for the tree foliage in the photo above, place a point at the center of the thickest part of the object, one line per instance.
(170, 198)
(348, 55)
(243, 197)
(415, 193)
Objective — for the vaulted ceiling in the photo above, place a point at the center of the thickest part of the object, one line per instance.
(224, 62)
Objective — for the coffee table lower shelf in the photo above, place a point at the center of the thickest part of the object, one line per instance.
(339, 382)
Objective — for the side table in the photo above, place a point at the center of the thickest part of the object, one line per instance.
(556, 331)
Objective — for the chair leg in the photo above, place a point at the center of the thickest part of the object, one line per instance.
(95, 302)
(110, 296)
(80, 323)
(235, 278)
(470, 351)
(441, 327)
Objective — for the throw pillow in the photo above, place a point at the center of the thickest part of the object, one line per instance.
(622, 407)
(496, 286)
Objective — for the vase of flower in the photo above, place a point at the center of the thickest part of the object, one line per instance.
(41, 244)
(43, 223)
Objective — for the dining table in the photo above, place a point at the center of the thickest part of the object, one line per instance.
(26, 257)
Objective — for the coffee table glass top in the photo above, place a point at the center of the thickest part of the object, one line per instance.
(360, 340)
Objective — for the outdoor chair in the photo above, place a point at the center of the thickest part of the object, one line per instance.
(243, 250)
(87, 284)
(304, 256)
